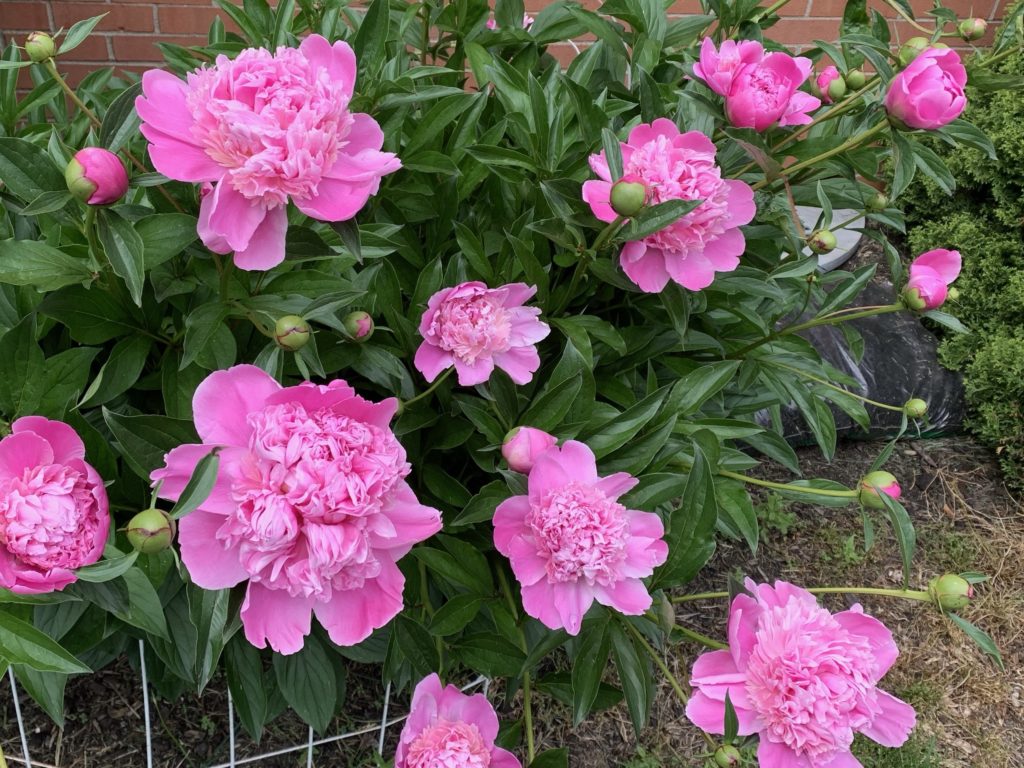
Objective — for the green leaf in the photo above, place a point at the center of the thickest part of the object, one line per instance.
(371, 38)
(165, 235)
(120, 372)
(903, 162)
(144, 440)
(47, 203)
(481, 507)
(736, 513)
(981, 638)
(903, 527)
(947, 320)
(308, 683)
(245, 679)
(124, 250)
(92, 316)
(697, 387)
(45, 688)
(144, 608)
(490, 655)
(654, 218)
(417, 646)
(24, 644)
(634, 676)
(450, 568)
(551, 758)
(454, 615)
(199, 485)
(690, 535)
(29, 262)
(625, 426)
(548, 410)
(107, 569)
(120, 122)
(588, 668)
(732, 722)
(28, 171)
(20, 384)
(612, 153)
(79, 31)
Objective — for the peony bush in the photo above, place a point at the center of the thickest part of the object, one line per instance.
(234, 292)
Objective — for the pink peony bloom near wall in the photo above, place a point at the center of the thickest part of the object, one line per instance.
(265, 129)
(311, 506)
(929, 93)
(54, 515)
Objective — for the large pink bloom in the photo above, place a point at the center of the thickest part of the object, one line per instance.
(266, 128)
(929, 93)
(310, 506)
(759, 90)
(571, 542)
(54, 515)
(801, 678)
(476, 328)
(930, 276)
(448, 729)
(677, 166)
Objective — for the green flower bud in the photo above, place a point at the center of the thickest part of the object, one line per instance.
(950, 592)
(291, 332)
(628, 197)
(359, 326)
(727, 756)
(912, 48)
(40, 47)
(912, 299)
(915, 408)
(837, 89)
(877, 202)
(874, 483)
(953, 293)
(822, 241)
(151, 531)
(972, 29)
(855, 79)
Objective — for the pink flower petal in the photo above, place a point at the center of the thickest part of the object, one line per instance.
(64, 441)
(857, 622)
(413, 522)
(572, 601)
(275, 617)
(946, 264)
(644, 266)
(615, 485)
(628, 596)
(431, 360)
(598, 195)
(691, 270)
(538, 601)
(471, 374)
(892, 727)
(266, 246)
(211, 565)
(706, 713)
(352, 615)
(509, 522)
(225, 214)
(773, 755)
(339, 60)
(22, 451)
(179, 159)
(520, 363)
(180, 463)
(645, 133)
(246, 388)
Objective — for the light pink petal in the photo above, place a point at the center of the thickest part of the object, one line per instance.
(597, 194)
(224, 399)
(691, 270)
(578, 460)
(741, 203)
(509, 521)
(228, 215)
(476, 373)
(877, 634)
(526, 328)
(599, 165)
(646, 525)
(725, 250)
(645, 133)
(892, 727)
(549, 472)
(22, 451)
(800, 104)
(351, 615)
(528, 566)
(771, 754)
(210, 564)
(644, 266)
(266, 246)
(696, 141)
(379, 414)
(517, 294)
(180, 463)
(643, 555)
(431, 360)
(339, 200)
(615, 485)
(502, 758)
(364, 134)
(706, 713)
(843, 760)
(628, 596)
(715, 668)
(572, 601)
(520, 363)
(336, 396)
(423, 709)
(476, 710)
(413, 522)
(179, 159)
(22, 580)
(946, 264)
(275, 617)
(339, 60)
(744, 615)
(539, 602)
(64, 441)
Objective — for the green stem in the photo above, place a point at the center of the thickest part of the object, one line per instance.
(428, 390)
(527, 690)
(51, 67)
(770, 9)
(707, 642)
(836, 387)
(786, 486)
(850, 143)
(661, 665)
(909, 19)
(581, 266)
(225, 277)
(907, 594)
(996, 58)
(608, 232)
(426, 33)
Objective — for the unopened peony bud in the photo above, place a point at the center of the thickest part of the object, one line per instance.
(291, 332)
(951, 592)
(874, 483)
(912, 299)
(628, 197)
(915, 408)
(877, 202)
(358, 325)
(40, 47)
(952, 293)
(822, 241)
(727, 756)
(855, 79)
(523, 445)
(837, 89)
(972, 29)
(96, 176)
(151, 531)
(912, 49)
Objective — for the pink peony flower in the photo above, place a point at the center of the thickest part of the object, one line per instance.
(759, 90)
(801, 678)
(266, 128)
(527, 22)
(448, 729)
(523, 445)
(930, 276)
(475, 328)
(54, 515)
(571, 542)
(677, 166)
(311, 506)
(96, 176)
(929, 93)
(824, 81)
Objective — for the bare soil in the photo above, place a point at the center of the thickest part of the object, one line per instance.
(970, 713)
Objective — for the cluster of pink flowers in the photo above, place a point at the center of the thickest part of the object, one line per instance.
(677, 166)
(265, 129)
(311, 506)
(54, 515)
(801, 678)
(475, 328)
(570, 541)
(929, 93)
(759, 89)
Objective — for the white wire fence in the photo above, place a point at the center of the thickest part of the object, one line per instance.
(309, 746)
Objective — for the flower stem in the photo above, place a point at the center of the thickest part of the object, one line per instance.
(581, 266)
(661, 665)
(907, 594)
(527, 691)
(837, 388)
(690, 634)
(428, 390)
(786, 486)
(770, 9)
(909, 19)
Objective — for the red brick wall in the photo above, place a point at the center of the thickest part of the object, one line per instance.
(126, 36)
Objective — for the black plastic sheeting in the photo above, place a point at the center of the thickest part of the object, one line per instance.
(899, 363)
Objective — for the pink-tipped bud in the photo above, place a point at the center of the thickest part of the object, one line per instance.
(151, 531)
(875, 483)
(912, 49)
(96, 176)
(523, 445)
(822, 241)
(727, 756)
(628, 197)
(972, 29)
(951, 592)
(915, 408)
(358, 325)
(291, 332)
(40, 47)
(930, 276)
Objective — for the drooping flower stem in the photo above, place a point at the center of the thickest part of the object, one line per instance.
(428, 390)
(527, 692)
(786, 486)
(907, 594)
(837, 388)
(851, 143)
